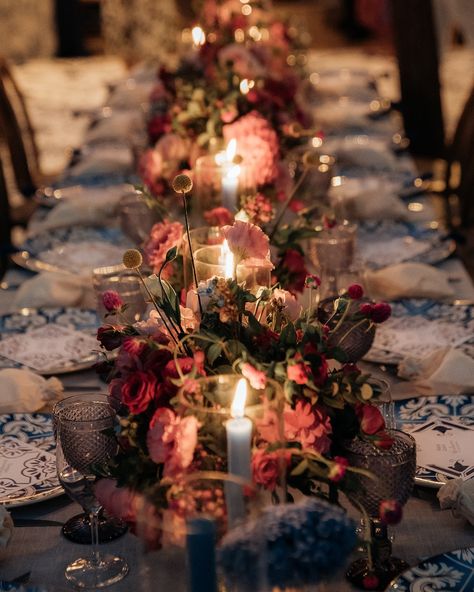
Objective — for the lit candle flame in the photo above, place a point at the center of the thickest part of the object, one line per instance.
(227, 258)
(198, 35)
(237, 408)
(244, 86)
(231, 150)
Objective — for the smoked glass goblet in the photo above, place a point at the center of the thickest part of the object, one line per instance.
(85, 440)
(393, 472)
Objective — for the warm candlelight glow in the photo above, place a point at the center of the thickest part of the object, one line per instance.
(246, 85)
(231, 150)
(198, 35)
(237, 408)
(227, 258)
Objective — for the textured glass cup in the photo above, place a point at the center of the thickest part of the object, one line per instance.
(203, 236)
(394, 477)
(126, 284)
(84, 427)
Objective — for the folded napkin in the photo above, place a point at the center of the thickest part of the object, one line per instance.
(458, 495)
(90, 206)
(118, 126)
(408, 280)
(24, 391)
(368, 198)
(55, 289)
(446, 371)
(106, 159)
(6, 527)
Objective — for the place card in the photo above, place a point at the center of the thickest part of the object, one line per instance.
(23, 465)
(49, 347)
(445, 446)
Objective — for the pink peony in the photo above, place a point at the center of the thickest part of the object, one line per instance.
(246, 240)
(111, 300)
(163, 236)
(266, 467)
(139, 390)
(309, 425)
(172, 440)
(257, 378)
(258, 143)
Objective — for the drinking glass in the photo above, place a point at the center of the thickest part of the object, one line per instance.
(332, 252)
(84, 426)
(127, 284)
(203, 236)
(394, 472)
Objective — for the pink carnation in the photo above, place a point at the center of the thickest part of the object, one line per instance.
(257, 142)
(120, 502)
(246, 241)
(163, 236)
(172, 440)
(257, 378)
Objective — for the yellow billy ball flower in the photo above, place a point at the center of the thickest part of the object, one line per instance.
(182, 184)
(132, 258)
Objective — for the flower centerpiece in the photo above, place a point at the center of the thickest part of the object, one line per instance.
(226, 329)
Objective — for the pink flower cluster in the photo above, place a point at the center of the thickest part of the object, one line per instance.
(259, 209)
(258, 143)
(164, 236)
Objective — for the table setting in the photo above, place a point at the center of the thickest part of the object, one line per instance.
(236, 351)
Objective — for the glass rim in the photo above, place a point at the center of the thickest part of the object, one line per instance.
(375, 452)
(77, 399)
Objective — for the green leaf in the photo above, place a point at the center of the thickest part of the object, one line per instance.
(213, 352)
(288, 335)
(300, 468)
(171, 254)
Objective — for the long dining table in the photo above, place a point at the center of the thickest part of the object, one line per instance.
(37, 545)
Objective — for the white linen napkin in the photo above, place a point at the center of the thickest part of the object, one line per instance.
(118, 126)
(447, 371)
(408, 280)
(90, 206)
(103, 159)
(55, 289)
(6, 527)
(24, 391)
(459, 495)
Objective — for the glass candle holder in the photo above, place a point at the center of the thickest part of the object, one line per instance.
(200, 237)
(220, 182)
(136, 218)
(126, 284)
(213, 261)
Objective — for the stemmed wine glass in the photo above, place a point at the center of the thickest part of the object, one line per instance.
(85, 438)
(394, 475)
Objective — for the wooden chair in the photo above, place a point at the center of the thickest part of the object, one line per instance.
(460, 161)
(18, 134)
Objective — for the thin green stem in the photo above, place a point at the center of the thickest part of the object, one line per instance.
(191, 255)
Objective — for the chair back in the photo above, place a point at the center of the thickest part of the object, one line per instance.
(5, 224)
(460, 170)
(16, 128)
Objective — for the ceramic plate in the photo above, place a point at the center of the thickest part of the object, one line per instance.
(423, 310)
(38, 474)
(29, 319)
(78, 249)
(453, 571)
(413, 413)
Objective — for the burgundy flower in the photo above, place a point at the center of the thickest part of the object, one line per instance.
(133, 345)
(371, 420)
(381, 312)
(139, 390)
(158, 126)
(292, 267)
(384, 440)
(366, 309)
(390, 511)
(355, 291)
(370, 582)
(338, 469)
(111, 300)
(110, 337)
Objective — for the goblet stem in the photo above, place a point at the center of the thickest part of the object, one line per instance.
(94, 520)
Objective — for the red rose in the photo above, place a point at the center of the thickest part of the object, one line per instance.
(390, 511)
(381, 312)
(383, 441)
(355, 291)
(139, 390)
(371, 420)
(266, 468)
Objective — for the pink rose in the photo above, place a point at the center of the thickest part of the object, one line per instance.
(139, 390)
(298, 373)
(257, 378)
(371, 420)
(172, 440)
(266, 467)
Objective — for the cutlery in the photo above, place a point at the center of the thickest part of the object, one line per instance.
(34, 522)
